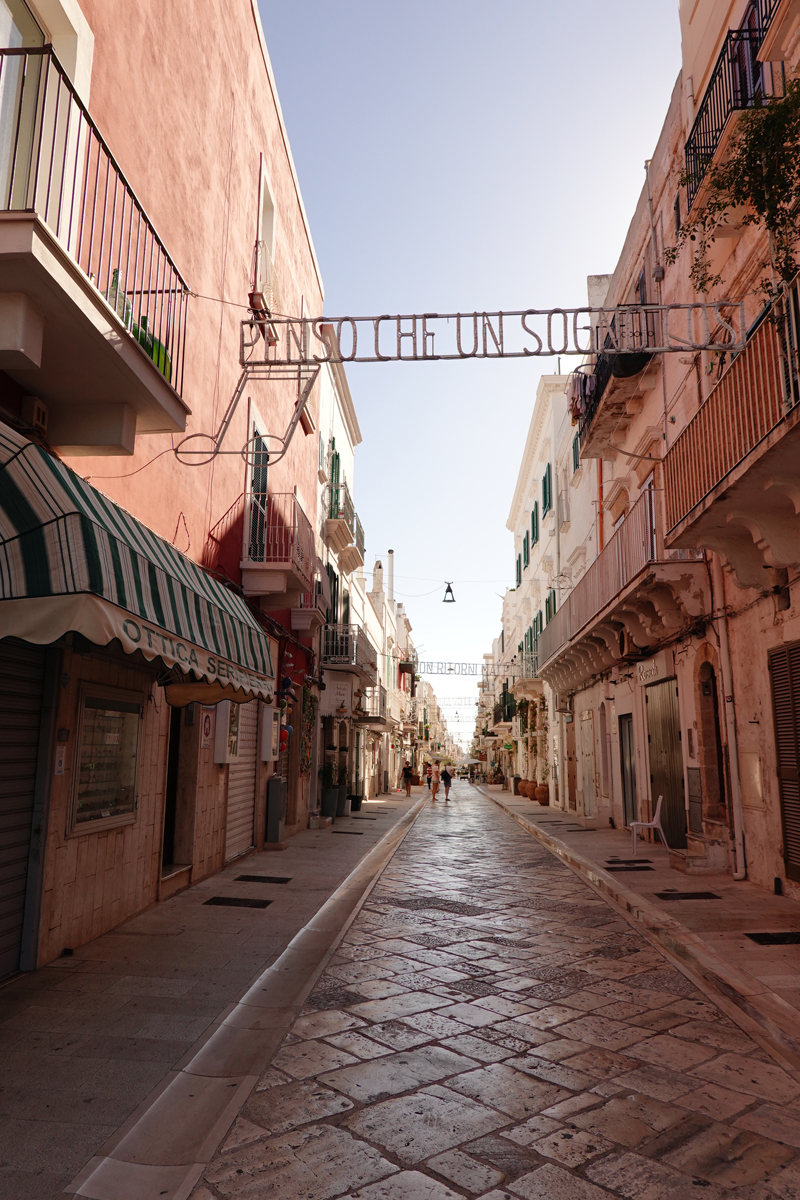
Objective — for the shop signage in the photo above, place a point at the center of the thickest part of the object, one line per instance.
(135, 634)
(206, 727)
(337, 699)
(651, 670)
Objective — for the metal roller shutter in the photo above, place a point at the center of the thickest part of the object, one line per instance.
(21, 680)
(242, 785)
(784, 668)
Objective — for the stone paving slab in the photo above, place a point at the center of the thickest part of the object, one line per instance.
(91, 1039)
(708, 937)
(628, 1083)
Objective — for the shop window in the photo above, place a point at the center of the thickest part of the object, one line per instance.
(108, 758)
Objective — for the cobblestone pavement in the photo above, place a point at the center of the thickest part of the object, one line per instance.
(490, 1028)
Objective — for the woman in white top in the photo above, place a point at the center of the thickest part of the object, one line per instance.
(435, 778)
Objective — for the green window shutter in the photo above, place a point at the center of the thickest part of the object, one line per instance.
(535, 523)
(502, 641)
(519, 570)
(526, 549)
(550, 606)
(547, 498)
(576, 452)
(520, 648)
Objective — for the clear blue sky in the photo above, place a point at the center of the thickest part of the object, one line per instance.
(454, 156)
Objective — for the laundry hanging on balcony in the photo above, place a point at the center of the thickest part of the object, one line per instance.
(73, 561)
(580, 390)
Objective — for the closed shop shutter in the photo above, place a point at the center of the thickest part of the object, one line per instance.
(784, 667)
(21, 679)
(666, 759)
(242, 785)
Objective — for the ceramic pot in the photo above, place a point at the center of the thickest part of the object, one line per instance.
(543, 794)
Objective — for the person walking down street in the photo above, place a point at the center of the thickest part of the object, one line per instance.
(447, 780)
(435, 778)
(428, 774)
(407, 773)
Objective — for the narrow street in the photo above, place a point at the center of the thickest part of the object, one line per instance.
(490, 1028)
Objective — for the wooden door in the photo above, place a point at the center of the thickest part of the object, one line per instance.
(784, 669)
(572, 768)
(666, 759)
(628, 765)
(587, 762)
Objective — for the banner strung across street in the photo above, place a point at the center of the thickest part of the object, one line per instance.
(526, 333)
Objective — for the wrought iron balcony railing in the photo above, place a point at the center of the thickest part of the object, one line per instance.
(759, 387)
(738, 81)
(373, 705)
(348, 646)
(340, 504)
(358, 535)
(279, 534)
(633, 547)
(55, 163)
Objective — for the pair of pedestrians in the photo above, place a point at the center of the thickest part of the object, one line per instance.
(435, 777)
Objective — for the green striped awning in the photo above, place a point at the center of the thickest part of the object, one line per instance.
(71, 559)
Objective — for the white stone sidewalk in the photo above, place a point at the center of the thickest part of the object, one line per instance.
(490, 1028)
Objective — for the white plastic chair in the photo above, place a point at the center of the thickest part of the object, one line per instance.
(654, 824)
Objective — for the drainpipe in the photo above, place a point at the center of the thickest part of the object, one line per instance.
(718, 580)
(390, 574)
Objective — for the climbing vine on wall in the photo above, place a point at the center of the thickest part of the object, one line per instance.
(307, 731)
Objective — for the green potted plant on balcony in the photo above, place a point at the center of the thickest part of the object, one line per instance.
(342, 805)
(330, 790)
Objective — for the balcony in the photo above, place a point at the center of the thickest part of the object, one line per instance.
(739, 81)
(635, 594)
(93, 306)
(620, 381)
(373, 707)
(352, 556)
(526, 683)
(278, 558)
(311, 613)
(730, 479)
(340, 517)
(347, 648)
(780, 28)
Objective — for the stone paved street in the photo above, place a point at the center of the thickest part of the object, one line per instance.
(490, 1028)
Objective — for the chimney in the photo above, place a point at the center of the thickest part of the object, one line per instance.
(377, 577)
(391, 576)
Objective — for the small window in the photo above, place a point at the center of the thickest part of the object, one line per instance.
(576, 452)
(108, 758)
(641, 287)
(676, 209)
(535, 523)
(547, 491)
(526, 550)
(519, 569)
(550, 606)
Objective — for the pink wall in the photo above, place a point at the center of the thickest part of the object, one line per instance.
(182, 96)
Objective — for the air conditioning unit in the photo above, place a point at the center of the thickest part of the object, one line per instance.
(562, 703)
(34, 411)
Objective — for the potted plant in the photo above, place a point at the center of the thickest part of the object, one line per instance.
(330, 792)
(543, 789)
(342, 806)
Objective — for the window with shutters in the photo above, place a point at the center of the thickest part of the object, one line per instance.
(535, 523)
(107, 758)
(576, 452)
(526, 550)
(519, 569)
(547, 491)
(550, 606)
(784, 668)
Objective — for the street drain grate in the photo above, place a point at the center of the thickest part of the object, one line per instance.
(775, 939)
(688, 896)
(365, 818)
(237, 902)
(263, 879)
(624, 862)
(352, 832)
(629, 867)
